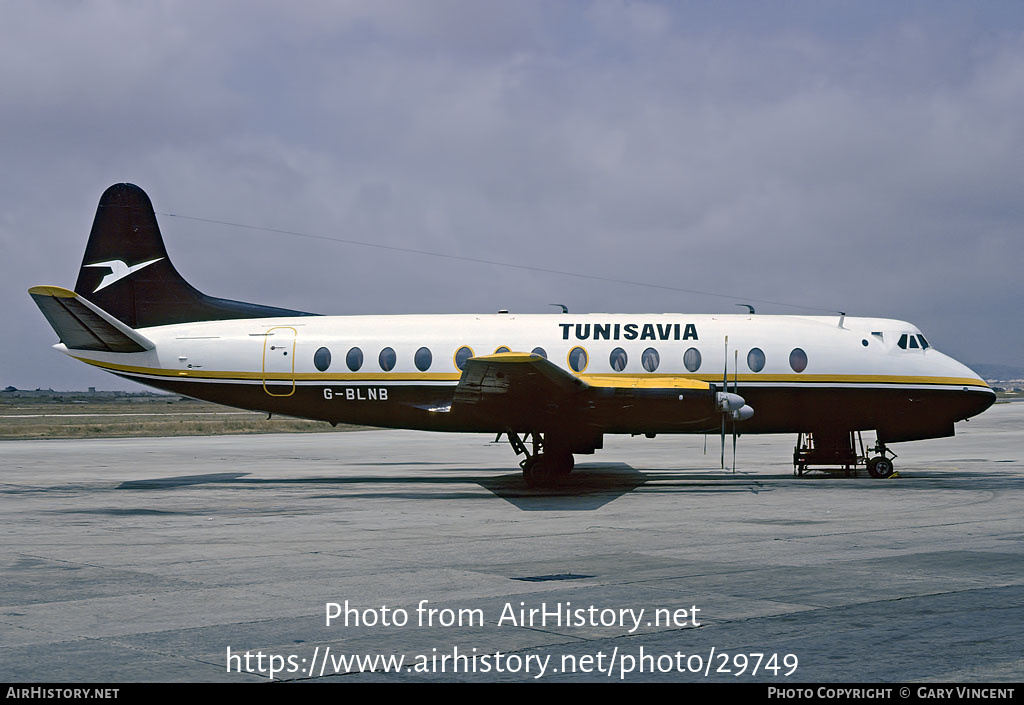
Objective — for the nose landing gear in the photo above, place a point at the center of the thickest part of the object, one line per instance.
(881, 465)
(831, 451)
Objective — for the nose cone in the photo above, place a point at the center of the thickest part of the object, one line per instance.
(976, 396)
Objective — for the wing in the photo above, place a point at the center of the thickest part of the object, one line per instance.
(523, 391)
(514, 378)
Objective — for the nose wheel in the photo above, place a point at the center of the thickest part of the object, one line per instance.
(880, 466)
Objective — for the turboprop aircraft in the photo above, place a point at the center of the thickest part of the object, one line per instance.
(554, 384)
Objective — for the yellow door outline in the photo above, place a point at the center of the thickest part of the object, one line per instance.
(290, 373)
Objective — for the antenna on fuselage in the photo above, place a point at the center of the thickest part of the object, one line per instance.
(565, 309)
(749, 307)
(842, 317)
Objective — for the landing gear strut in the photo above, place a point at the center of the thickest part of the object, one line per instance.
(545, 466)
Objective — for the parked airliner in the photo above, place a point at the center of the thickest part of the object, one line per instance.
(554, 384)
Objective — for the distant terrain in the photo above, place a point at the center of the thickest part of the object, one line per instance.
(999, 373)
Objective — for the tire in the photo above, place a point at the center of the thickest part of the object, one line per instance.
(537, 473)
(560, 463)
(880, 467)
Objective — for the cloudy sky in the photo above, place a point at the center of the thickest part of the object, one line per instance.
(856, 156)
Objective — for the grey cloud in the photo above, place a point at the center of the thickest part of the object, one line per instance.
(864, 157)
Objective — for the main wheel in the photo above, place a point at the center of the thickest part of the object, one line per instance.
(880, 467)
(560, 463)
(536, 472)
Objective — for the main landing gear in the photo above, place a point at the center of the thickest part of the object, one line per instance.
(840, 452)
(545, 466)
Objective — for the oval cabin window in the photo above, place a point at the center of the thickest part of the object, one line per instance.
(798, 360)
(322, 359)
(578, 359)
(354, 359)
(755, 360)
(461, 355)
(691, 359)
(423, 358)
(387, 359)
(650, 359)
(618, 359)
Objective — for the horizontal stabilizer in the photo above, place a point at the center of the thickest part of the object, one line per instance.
(82, 325)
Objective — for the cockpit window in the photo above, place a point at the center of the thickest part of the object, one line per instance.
(913, 341)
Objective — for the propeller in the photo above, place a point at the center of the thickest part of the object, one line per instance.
(735, 387)
(731, 404)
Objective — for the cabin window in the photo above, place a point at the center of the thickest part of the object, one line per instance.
(423, 358)
(322, 359)
(618, 359)
(578, 359)
(650, 359)
(387, 359)
(461, 355)
(354, 359)
(502, 349)
(903, 341)
(755, 359)
(691, 359)
(798, 360)
(540, 351)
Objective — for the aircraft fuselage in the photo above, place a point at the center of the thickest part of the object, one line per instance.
(854, 376)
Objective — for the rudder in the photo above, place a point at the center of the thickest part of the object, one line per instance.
(126, 270)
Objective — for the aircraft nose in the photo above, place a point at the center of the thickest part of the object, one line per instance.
(978, 402)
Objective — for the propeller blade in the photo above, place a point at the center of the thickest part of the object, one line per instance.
(735, 372)
(725, 389)
(734, 446)
(725, 368)
(735, 390)
(723, 441)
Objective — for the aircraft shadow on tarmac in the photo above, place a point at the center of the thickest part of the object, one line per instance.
(591, 485)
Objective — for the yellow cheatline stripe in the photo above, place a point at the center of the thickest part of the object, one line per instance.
(298, 376)
(49, 290)
(656, 379)
(637, 382)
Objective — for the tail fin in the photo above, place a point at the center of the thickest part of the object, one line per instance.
(126, 270)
